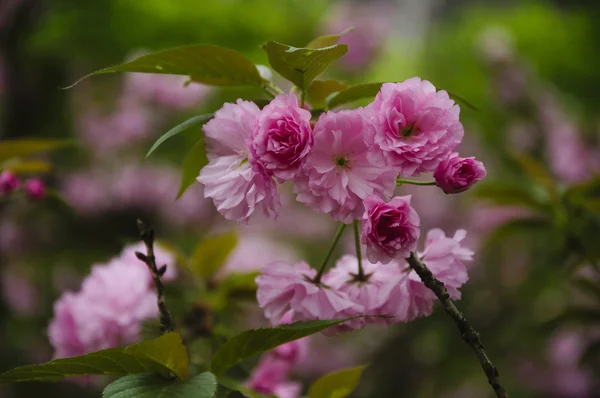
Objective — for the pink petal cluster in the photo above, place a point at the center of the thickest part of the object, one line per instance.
(9, 182)
(237, 189)
(283, 137)
(389, 230)
(455, 174)
(416, 126)
(344, 167)
(109, 309)
(34, 188)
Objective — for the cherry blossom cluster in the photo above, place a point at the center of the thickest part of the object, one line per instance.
(9, 182)
(100, 316)
(347, 164)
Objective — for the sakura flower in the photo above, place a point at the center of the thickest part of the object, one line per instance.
(344, 167)
(9, 182)
(283, 287)
(236, 188)
(269, 377)
(389, 230)
(416, 126)
(34, 188)
(456, 174)
(283, 137)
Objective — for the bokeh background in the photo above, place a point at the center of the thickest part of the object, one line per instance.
(532, 70)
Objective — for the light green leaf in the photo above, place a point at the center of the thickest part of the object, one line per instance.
(338, 384)
(17, 148)
(210, 254)
(352, 94)
(214, 65)
(256, 341)
(165, 355)
(179, 128)
(320, 89)
(147, 385)
(21, 166)
(327, 40)
(193, 162)
(302, 65)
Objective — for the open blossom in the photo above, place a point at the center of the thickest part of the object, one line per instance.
(456, 174)
(389, 230)
(283, 137)
(283, 287)
(416, 126)
(236, 188)
(344, 167)
(444, 256)
(8, 182)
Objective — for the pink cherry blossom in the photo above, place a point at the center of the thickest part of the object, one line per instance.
(269, 377)
(455, 174)
(162, 256)
(34, 188)
(283, 287)
(416, 126)
(389, 230)
(169, 91)
(8, 182)
(344, 167)
(236, 188)
(283, 137)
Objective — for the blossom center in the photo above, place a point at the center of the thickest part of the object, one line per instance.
(406, 131)
(342, 162)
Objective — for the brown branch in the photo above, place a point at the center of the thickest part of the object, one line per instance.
(468, 334)
(147, 236)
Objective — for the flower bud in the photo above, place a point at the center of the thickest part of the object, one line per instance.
(35, 188)
(8, 182)
(456, 174)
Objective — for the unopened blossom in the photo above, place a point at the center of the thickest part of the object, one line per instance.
(283, 137)
(455, 174)
(162, 257)
(9, 182)
(378, 294)
(444, 256)
(34, 188)
(416, 126)
(283, 287)
(389, 230)
(237, 189)
(344, 167)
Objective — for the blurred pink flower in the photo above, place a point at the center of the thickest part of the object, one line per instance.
(269, 374)
(19, 294)
(35, 188)
(169, 91)
(8, 182)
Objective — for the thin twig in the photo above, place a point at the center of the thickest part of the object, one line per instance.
(147, 236)
(469, 335)
(361, 273)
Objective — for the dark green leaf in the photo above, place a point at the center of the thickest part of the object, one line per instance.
(588, 286)
(214, 65)
(352, 94)
(210, 254)
(163, 355)
(302, 65)
(591, 354)
(147, 385)
(15, 148)
(236, 394)
(512, 195)
(194, 160)
(577, 316)
(256, 341)
(536, 171)
(321, 89)
(338, 384)
(179, 128)
(327, 40)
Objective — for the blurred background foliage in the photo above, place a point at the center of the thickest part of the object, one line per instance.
(531, 69)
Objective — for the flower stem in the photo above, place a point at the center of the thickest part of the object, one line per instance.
(468, 334)
(336, 239)
(361, 272)
(400, 181)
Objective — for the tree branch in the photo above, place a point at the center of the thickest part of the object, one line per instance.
(468, 334)
(147, 236)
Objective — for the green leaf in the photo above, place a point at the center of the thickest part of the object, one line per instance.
(147, 385)
(508, 194)
(256, 341)
(214, 65)
(327, 40)
(462, 100)
(352, 94)
(16, 148)
(20, 166)
(193, 162)
(320, 89)
(179, 128)
(165, 355)
(302, 65)
(210, 254)
(338, 384)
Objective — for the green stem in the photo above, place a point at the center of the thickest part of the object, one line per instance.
(400, 181)
(361, 272)
(336, 239)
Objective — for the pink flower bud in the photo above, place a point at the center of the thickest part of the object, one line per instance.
(8, 182)
(456, 174)
(389, 230)
(35, 188)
